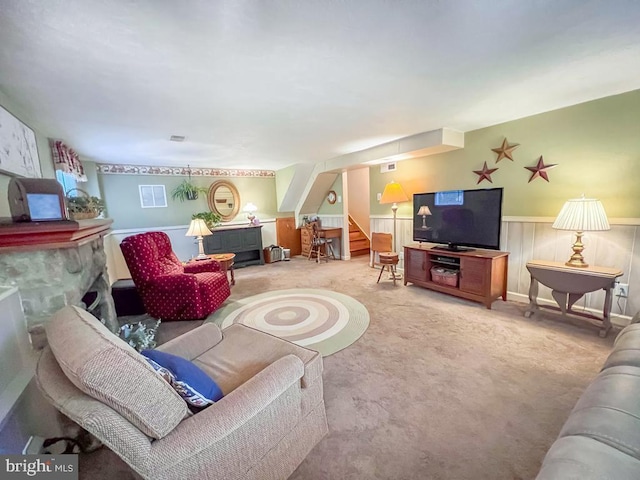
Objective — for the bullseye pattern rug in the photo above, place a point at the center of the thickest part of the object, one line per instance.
(321, 320)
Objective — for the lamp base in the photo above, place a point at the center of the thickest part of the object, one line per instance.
(202, 256)
(577, 260)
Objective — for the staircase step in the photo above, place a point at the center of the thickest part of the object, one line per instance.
(358, 244)
(362, 251)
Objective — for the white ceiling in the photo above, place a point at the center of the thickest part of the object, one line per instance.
(267, 84)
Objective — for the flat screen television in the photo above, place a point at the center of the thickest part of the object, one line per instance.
(459, 219)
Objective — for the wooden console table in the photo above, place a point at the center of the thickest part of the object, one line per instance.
(569, 284)
(244, 241)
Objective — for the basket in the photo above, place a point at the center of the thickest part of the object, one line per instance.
(444, 276)
(89, 207)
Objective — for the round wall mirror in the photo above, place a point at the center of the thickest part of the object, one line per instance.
(224, 200)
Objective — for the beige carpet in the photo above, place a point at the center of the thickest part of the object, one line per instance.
(436, 388)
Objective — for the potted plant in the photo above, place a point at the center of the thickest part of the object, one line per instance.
(210, 218)
(83, 207)
(187, 191)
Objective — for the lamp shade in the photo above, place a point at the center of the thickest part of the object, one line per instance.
(393, 193)
(250, 208)
(197, 228)
(582, 215)
(424, 210)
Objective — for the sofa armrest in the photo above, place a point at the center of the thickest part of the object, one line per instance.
(199, 432)
(193, 343)
(203, 266)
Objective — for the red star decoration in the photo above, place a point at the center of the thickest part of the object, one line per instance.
(505, 150)
(540, 170)
(485, 173)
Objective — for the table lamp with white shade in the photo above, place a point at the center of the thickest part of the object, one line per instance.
(198, 228)
(250, 208)
(581, 215)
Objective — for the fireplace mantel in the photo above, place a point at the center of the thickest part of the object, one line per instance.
(22, 236)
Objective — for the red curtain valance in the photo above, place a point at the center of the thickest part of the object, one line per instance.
(67, 160)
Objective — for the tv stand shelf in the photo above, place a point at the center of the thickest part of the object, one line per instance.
(482, 274)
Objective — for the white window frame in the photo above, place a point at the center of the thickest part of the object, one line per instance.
(153, 196)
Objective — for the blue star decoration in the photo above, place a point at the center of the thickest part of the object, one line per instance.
(485, 173)
(540, 170)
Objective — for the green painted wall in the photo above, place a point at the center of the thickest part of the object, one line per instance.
(283, 179)
(596, 146)
(46, 163)
(122, 199)
(336, 209)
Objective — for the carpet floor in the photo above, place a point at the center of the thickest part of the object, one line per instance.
(436, 388)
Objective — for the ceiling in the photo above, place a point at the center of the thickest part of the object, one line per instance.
(267, 84)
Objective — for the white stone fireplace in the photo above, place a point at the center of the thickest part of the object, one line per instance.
(53, 264)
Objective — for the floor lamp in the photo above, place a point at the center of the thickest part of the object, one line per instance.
(393, 193)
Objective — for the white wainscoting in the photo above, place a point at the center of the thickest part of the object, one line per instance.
(533, 238)
(184, 247)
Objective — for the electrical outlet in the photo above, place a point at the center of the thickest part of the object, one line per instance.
(621, 290)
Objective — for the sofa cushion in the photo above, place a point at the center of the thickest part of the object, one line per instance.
(609, 411)
(626, 349)
(192, 384)
(106, 368)
(583, 458)
(231, 368)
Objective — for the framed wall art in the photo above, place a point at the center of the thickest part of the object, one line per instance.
(18, 147)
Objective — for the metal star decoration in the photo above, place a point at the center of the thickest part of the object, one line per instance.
(540, 170)
(505, 150)
(485, 173)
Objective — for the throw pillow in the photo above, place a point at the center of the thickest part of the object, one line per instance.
(191, 383)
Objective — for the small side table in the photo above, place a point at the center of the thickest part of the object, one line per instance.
(226, 261)
(569, 284)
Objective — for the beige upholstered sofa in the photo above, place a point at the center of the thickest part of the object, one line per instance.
(271, 416)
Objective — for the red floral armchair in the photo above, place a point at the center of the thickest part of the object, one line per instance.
(170, 290)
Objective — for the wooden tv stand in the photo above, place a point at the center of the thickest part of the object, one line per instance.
(482, 274)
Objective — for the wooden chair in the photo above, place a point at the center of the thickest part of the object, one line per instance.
(383, 244)
(318, 248)
(380, 242)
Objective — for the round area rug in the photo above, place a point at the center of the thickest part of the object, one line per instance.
(321, 320)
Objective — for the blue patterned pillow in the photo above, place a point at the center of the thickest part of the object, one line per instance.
(191, 383)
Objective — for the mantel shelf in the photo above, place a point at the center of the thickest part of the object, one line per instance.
(22, 236)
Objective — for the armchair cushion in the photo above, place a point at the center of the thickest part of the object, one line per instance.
(107, 369)
(192, 384)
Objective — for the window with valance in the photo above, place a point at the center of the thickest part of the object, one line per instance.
(66, 160)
